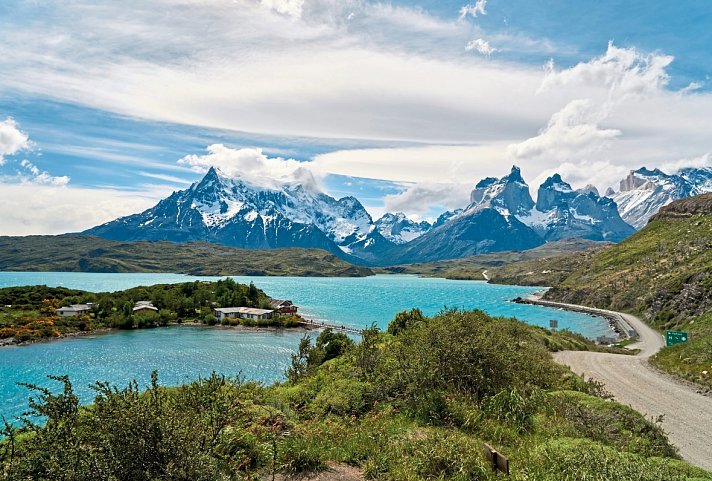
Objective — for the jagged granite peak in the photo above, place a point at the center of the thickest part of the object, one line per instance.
(589, 188)
(235, 212)
(446, 216)
(644, 191)
(509, 195)
(609, 192)
(399, 229)
(562, 212)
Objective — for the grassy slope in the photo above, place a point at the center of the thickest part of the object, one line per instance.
(663, 273)
(471, 268)
(73, 253)
(417, 405)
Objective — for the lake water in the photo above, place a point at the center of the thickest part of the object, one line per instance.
(183, 353)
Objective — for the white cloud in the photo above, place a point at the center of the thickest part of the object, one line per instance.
(621, 71)
(28, 209)
(42, 177)
(421, 198)
(251, 165)
(697, 162)
(571, 133)
(602, 174)
(286, 7)
(480, 45)
(475, 9)
(12, 139)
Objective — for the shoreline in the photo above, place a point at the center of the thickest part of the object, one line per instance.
(9, 342)
(618, 324)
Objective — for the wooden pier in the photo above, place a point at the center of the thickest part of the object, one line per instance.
(323, 325)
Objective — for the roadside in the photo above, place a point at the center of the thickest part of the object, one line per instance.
(686, 413)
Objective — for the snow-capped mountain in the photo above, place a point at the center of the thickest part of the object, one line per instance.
(643, 192)
(562, 212)
(233, 212)
(399, 229)
(503, 216)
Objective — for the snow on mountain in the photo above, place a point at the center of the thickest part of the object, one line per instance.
(234, 212)
(643, 192)
(398, 229)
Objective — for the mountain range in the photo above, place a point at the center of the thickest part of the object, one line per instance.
(501, 216)
(643, 192)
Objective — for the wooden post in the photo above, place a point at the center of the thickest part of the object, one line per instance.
(499, 461)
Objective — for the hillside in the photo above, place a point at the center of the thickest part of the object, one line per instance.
(416, 402)
(472, 268)
(78, 253)
(662, 273)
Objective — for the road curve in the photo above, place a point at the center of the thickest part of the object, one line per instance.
(687, 415)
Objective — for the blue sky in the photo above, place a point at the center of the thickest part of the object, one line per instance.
(106, 108)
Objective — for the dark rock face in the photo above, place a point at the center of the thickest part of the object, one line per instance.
(510, 193)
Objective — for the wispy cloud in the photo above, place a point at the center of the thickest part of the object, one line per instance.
(481, 46)
(474, 9)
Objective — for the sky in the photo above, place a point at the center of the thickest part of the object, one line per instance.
(106, 107)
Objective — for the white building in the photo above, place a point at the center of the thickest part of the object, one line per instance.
(242, 313)
(74, 310)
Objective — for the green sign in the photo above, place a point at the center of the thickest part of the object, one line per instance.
(675, 337)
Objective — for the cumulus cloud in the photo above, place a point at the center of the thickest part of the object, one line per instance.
(12, 139)
(253, 166)
(480, 45)
(571, 132)
(474, 9)
(622, 71)
(42, 177)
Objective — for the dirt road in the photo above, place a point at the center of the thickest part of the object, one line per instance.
(687, 414)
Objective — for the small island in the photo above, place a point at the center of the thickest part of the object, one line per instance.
(34, 313)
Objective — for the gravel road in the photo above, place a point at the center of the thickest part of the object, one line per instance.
(633, 381)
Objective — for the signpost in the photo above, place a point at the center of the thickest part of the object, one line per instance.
(553, 324)
(675, 337)
(499, 461)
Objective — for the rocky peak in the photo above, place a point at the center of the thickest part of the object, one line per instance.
(553, 192)
(508, 195)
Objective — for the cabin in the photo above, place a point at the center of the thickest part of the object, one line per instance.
(144, 306)
(242, 313)
(283, 306)
(74, 310)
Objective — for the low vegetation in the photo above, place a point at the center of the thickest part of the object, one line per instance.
(663, 274)
(30, 313)
(472, 268)
(80, 253)
(416, 402)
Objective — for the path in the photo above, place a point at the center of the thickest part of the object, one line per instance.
(633, 381)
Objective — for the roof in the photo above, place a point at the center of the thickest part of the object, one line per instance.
(75, 308)
(243, 310)
(279, 302)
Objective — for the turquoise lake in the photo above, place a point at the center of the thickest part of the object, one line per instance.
(183, 353)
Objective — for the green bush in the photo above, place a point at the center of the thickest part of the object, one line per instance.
(344, 397)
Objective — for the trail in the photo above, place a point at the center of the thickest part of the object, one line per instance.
(687, 414)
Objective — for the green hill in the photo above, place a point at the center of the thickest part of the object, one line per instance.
(663, 273)
(78, 253)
